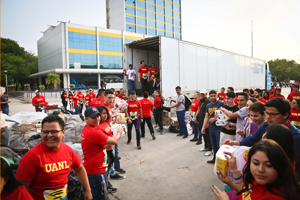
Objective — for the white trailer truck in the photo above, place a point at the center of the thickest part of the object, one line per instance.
(193, 66)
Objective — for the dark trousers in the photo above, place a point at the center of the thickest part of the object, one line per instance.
(145, 85)
(158, 116)
(152, 89)
(154, 116)
(136, 123)
(197, 130)
(98, 185)
(117, 161)
(215, 141)
(206, 137)
(80, 108)
(149, 124)
(65, 104)
(182, 124)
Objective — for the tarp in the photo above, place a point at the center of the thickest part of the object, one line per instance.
(5, 124)
(27, 117)
(73, 127)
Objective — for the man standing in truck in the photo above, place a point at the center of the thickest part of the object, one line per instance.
(143, 76)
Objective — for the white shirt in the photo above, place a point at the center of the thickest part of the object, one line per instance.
(131, 73)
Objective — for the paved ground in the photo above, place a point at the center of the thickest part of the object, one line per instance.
(167, 168)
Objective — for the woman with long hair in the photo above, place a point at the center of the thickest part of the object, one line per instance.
(11, 188)
(266, 95)
(295, 113)
(64, 99)
(158, 101)
(268, 174)
(249, 127)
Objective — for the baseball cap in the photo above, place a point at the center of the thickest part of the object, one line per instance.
(91, 112)
(36, 91)
(132, 92)
(203, 91)
(90, 89)
(278, 88)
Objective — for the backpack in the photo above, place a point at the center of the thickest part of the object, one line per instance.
(187, 102)
(162, 103)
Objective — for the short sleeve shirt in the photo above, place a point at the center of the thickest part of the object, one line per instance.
(97, 102)
(181, 106)
(210, 109)
(48, 170)
(130, 74)
(221, 96)
(143, 72)
(81, 97)
(133, 109)
(121, 96)
(231, 109)
(147, 106)
(38, 99)
(239, 121)
(152, 72)
(293, 96)
(4, 99)
(194, 107)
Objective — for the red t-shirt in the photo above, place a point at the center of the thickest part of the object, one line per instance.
(293, 96)
(121, 96)
(157, 102)
(19, 193)
(271, 91)
(87, 100)
(38, 99)
(81, 97)
(276, 96)
(260, 192)
(133, 109)
(93, 147)
(110, 113)
(295, 117)
(143, 72)
(194, 107)
(48, 170)
(76, 101)
(92, 96)
(221, 96)
(262, 100)
(97, 102)
(105, 128)
(152, 72)
(147, 106)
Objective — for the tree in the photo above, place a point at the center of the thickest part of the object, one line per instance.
(285, 70)
(53, 78)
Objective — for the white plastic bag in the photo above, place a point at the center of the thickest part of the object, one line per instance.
(189, 129)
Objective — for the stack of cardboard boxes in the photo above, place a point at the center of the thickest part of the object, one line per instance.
(166, 118)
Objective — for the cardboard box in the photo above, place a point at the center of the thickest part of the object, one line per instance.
(166, 113)
(174, 121)
(166, 121)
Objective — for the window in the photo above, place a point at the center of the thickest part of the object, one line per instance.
(112, 78)
(177, 15)
(177, 36)
(170, 34)
(86, 79)
(160, 33)
(151, 23)
(161, 18)
(169, 27)
(151, 1)
(141, 30)
(128, 41)
(130, 19)
(86, 60)
(130, 2)
(169, 5)
(141, 13)
(141, 21)
(169, 20)
(160, 2)
(151, 15)
(160, 25)
(130, 28)
(141, 4)
(177, 1)
(169, 13)
(177, 8)
(82, 41)
(177, 29)
(111, 62)
(151, 31)
(130, 10)
(177, 22)
(110, 44)
(160, 10)
(151, 7)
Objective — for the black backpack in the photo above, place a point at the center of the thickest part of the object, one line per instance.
(187, 102)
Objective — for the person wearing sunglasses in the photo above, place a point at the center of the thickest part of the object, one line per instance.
(277, 111)
(45, 168)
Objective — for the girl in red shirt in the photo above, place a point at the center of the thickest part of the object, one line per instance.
(11, 188)
(71, 100)
(266, 96)
(64, 97)
(158, 101)
(295, 113)
(268, 174)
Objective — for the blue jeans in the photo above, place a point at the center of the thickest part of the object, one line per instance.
(149, 124)
(86, 107)
(136, 123)
(5, 111)
(77, 109)
(116, 165)
(98, 184)
(152, 89)
(38, 109)
(131, 85)
(182, 124)
(197, 130)
(214, 136)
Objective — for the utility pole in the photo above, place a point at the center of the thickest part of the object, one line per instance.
(251, 39)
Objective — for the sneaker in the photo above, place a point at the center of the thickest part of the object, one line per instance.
(128, 142)
(185, 137)
(111, 189)
(199, 142)
(121, 171)
(162, 131)
(209, 153)
(203, 149)
(142, 136)
(117, 176)
(153, 136)
(211, 161)
(194, 140)
(139, 146)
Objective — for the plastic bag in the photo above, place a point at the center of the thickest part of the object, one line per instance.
(189, 129)
(76, 190)
(122, 104)
(174, 129)
(5, 135)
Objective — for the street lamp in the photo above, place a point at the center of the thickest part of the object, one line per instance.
(5, 72)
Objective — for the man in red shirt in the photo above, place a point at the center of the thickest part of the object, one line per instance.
(76, 103)
(122, 94)
(277, 94)
(134, 111)
(38, 101)
(93, 143)
(147, 107)
(45, 168)
(87, 99)
(92, 94)
(258, 95)
(143, 76)
(295, 94)
(99, 100)
(151, 77)
(81, 101)
(222, 94)
(194, 108)
(272, 90)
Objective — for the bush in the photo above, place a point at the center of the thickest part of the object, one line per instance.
(72, 86)
(41, 87)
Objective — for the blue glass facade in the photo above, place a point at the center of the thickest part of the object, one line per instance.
(87, 61)
(111, 62)
(110, 44)
(82, 41)
(86, 79)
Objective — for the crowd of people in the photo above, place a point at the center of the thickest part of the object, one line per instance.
(269, 125)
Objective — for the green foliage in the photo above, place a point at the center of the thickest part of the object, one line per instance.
(53, 78)
(41, 87)
(18, 63)
(285, 70)
(72, 86)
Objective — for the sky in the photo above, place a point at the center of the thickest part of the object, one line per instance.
(223, 24)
